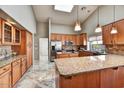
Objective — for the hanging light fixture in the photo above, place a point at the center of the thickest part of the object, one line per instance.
(98, 27)
(77, 24)
(114, 29)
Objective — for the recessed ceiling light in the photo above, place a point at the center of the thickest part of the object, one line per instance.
(64, 8)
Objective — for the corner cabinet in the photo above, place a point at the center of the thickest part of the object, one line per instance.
(7, 33)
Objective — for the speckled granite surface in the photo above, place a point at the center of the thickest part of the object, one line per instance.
(71, 66)
(8, 61)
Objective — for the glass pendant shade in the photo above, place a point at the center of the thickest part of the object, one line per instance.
(98, 29)
(114, 30)
(77, 26)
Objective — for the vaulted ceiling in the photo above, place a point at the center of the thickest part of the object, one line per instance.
(43, 12)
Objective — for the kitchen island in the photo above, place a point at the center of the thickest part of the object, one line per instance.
(105, 71)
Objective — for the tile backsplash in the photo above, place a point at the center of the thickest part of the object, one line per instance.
(116, 49)
(5, 48)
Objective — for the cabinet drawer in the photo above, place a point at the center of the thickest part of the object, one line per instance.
(16, 62)
(24, 58)
(5, 69)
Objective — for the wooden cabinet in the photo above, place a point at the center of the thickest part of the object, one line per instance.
(119, 77)
(23, 65)
(106, 33)
(7, 33)
(67, 55)
(74, 55)
(76, 39)
(117, 38)
(62, 56)
(112, 77)
(17, 36)
(29, 49)
(16, 71)
(85, 53)
(82, 80)
(5, 77)
(120, 34)
(108, 78)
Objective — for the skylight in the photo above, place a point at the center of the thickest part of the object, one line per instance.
(64, 8)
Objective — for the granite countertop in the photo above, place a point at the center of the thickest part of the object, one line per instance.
(10, 60)
(72, 66)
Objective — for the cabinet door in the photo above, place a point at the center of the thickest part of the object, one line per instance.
(5, 77)
(17, 36)
(16, 71)
(29, 49)
(108, 78)
(74, 39)
(106, 33)
(7, 33)
(84, 39)
(59, 37)
(23, 66)
(120, 77)
(78, 40)
(120, 28)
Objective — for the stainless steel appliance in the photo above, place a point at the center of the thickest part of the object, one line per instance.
(55, 47)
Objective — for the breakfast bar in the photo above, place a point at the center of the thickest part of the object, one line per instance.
(105, 71)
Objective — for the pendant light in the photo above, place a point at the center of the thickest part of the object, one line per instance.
(114, 30)
(77, 24)
(98, 27)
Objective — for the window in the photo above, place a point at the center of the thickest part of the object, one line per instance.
(95, 43)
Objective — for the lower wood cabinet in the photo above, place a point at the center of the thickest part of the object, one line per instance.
(5, 77)
(16, 71)
(67, 55)
(23, 65)
(85, 53)
(106, 78)
(84, 80)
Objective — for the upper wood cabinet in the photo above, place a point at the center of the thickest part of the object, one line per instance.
(17, 36)
(7, 33)
(76, 39)
(120, 34)
(83, 39)
(117, 38)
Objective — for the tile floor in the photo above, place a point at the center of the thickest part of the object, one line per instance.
(40, 75)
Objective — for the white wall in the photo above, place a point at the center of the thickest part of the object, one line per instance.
(63, 29)
(23, 14)
(106, 17)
